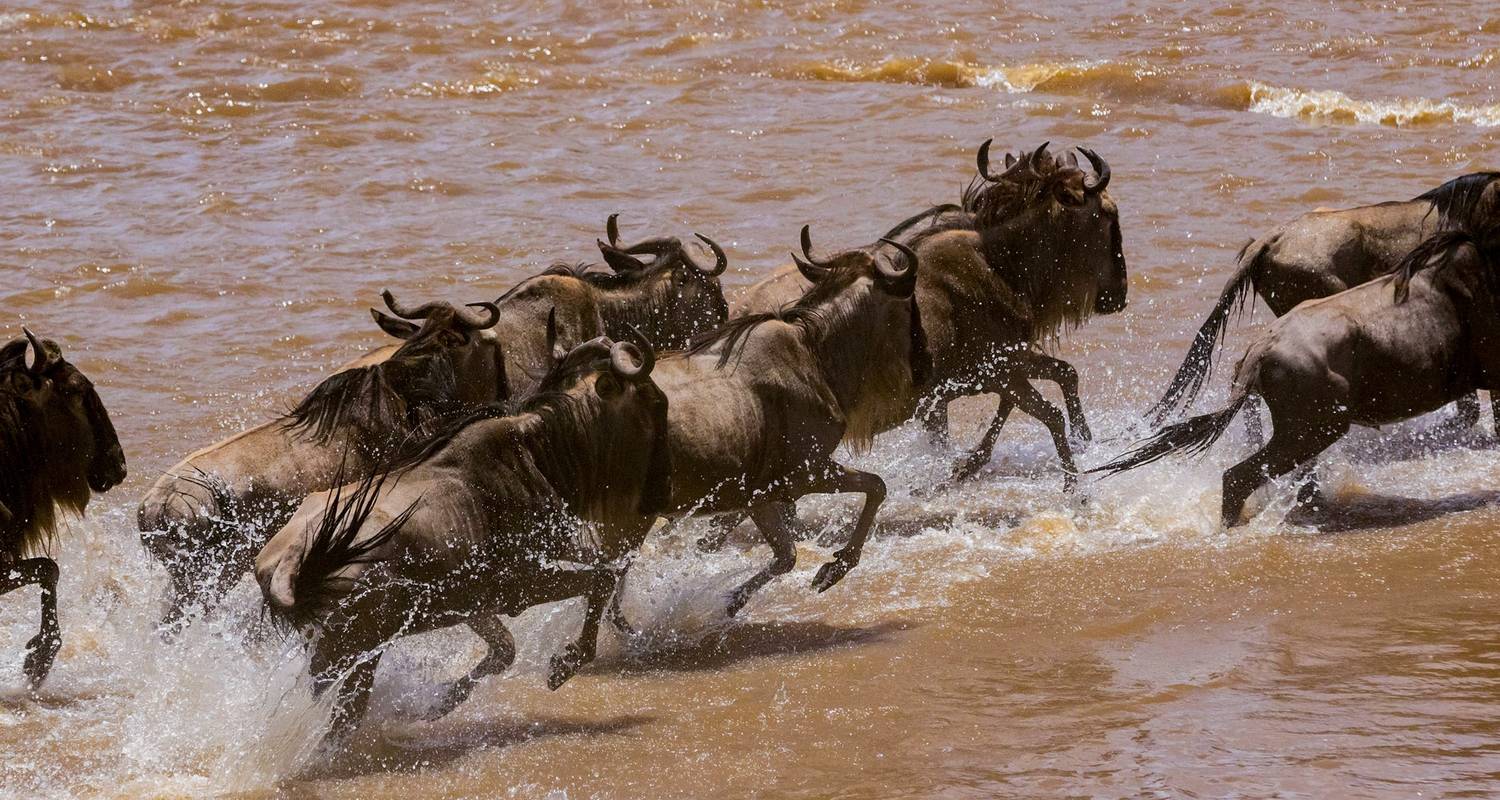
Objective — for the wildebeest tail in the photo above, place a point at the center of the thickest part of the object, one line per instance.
(1198, 366)
(316, 584)
(1192, 436)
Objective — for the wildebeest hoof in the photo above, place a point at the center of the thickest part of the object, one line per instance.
(831, 573)
(41, 652)
(735, 602)
(458, 693)
(564, 666)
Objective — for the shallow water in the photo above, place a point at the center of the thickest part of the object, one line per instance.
(205, 196)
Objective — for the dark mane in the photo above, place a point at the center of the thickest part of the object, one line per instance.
(735, 332)
(1437, 251)
(31, 491)
(1456, 201)
(376, 401)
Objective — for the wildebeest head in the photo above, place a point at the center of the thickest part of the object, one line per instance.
(687, 297)
(450, 361)
(1053, 232)
(56, 439)
(604, 389)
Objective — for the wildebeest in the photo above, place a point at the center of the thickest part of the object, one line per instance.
(57, 447)
(1319, 254)
(1030, 251)
(758, 407)
(670, 297)
(492, 516)
(207, 516)
(1384, 351)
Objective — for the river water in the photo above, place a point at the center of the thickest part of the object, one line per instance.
(203, 197)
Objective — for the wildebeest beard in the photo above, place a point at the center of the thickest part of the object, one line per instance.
(34, 484)
(380, 405)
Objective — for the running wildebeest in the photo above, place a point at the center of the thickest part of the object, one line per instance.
(1319, 254)
(492, 516)
(57, 447)
(1030, 251)
(207, 516)
(758, 407)
(669, 297)
(1387, 350)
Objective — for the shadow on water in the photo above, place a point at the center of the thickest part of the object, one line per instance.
(458, 740)
(754, 640)
(1369, 512)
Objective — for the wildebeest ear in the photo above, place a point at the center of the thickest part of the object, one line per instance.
(399, 328)
(13, 350)
(1010, 160)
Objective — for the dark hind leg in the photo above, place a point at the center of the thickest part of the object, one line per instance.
(935, 421)
(773, 529)
(332, 656)
(1495, 410)
(41, 651)
(1254, 429)
(1466, 412)
(1292, 444)
(1040, 366)
(500, 655)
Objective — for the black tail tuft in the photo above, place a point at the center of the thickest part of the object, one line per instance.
(1193, 436)
(336, 545)
(1197, 367)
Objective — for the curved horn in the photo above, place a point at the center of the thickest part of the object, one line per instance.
(40, 361)
(619, 260)
(890, 272)
(1095, 185)
(984, 160)
(405, 312)
(632, 360)
(612, 228)
(721, 261)
(807, 248)
(1038, 154)
(1014, 167)
(474, 322)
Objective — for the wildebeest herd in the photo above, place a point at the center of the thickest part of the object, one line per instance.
(517, 452)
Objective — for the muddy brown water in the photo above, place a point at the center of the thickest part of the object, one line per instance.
(202, 198)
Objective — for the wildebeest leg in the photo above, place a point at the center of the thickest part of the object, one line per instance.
(772, 526)
(1045, 367)
(1466, 415)
(41, 651)
(836, 478)
(1254, 431)
(935, 421)
(501, 654)
(981, 454)
(597, 585)
(1033, 404)
(1495, 410)
(331, 657)
(1291, 445)
(719, 527)
(615, 614)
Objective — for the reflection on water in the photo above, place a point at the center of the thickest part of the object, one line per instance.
(204, 199)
